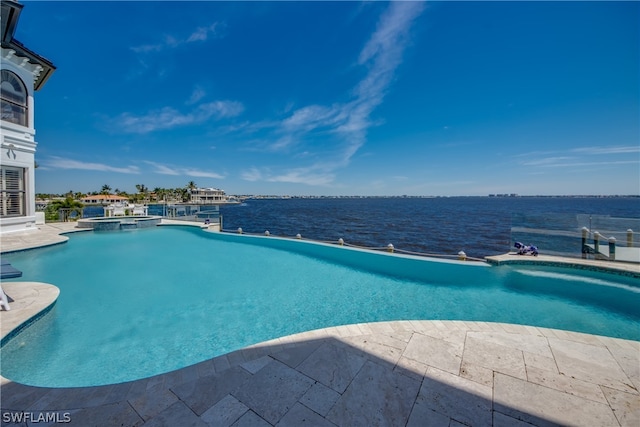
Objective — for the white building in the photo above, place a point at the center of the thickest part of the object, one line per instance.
(101, 199)
(204, 196)
(23, 72)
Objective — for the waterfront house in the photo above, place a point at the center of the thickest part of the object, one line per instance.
(103, 199)
(205, 196)
(23, 73)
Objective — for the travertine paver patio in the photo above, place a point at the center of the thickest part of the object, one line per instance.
(43, 235)
(413, 373)
(405, 373)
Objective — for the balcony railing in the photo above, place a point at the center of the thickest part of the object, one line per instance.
(587, 236)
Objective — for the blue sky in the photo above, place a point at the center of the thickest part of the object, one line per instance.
(339, 98)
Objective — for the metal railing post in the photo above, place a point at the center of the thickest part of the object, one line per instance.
(612, 248)
(585, 249)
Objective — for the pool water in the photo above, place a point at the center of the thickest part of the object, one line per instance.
(143, 302)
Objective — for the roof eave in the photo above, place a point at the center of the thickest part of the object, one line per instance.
(21, 50)
(10, 16)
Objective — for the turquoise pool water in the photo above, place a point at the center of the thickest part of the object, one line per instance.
(142, 302)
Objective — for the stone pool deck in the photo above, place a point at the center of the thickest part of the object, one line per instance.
(404, 373)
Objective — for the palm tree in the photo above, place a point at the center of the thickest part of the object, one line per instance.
(159, 193)
(69, 206)
(183, 193)
(106, 190)
(143, 191)
(191, 186)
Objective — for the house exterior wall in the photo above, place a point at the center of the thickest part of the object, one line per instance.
(207, 195)
(103, 200)
(18, 144)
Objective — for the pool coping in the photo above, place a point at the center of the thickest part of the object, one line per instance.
(468, 372)
(622, 268)
(30, 301)
(55, 233)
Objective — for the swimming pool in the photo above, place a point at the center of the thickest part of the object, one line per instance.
(142, 302)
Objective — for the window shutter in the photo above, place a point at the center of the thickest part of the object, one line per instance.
(13, 194)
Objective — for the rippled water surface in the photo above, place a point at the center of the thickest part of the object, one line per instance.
(480, 226)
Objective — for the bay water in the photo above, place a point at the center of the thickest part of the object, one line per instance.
(479, 226)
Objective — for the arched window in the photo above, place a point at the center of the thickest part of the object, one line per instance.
(13, 98)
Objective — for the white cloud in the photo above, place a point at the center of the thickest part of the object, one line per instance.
(200, 34)
(548, 161)
(252, 175)
(581, 157)
(146, 48)
(197, 94)
(303, 176)
(55, 162)
(220, 109)
(560, 164)
(312, 175)
(283, 143)
(349, 121)
(168, 117)
(163, 169)
(202, 174)
(311, 117)
(608, 150)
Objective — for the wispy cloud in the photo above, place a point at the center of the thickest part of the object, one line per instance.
(548, 161)
(347, 123)
(609, 150)
(252, 175)
(169, 117)
(197, 94)
(167, 41)
(203, 174)
(55, 162)
(202, 33)
(581, 157)
(305, 175)
(559, 164)
(164, 169)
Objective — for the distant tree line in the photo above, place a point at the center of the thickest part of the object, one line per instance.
(144, 194)
(70, 201)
